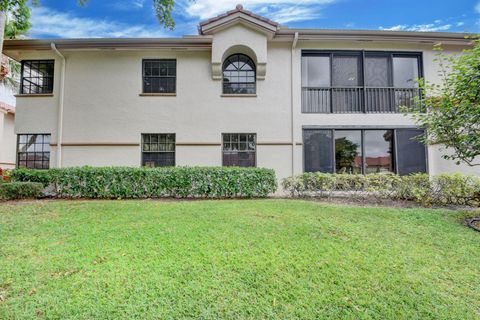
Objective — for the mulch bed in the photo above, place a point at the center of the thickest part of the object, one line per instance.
(474, 223)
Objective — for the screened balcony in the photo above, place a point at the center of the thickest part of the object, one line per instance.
(359, 82)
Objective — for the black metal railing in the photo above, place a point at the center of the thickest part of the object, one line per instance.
(358, 99)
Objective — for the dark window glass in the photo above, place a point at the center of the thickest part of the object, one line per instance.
(348, 151)
(37, 76)
(378, 146)
(159, 75)
(239, 149)
(239, 75)
(318, 150)
(377, 71)
(158, 150)
(346, 71)
(411, 153)
(33, 151)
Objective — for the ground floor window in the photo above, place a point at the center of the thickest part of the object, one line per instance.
(239, 149)
(364, 151)
(33, 151)
(158, 150)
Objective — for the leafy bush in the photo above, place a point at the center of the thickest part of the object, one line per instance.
(182, 182)
(20, 190)
(443, 189)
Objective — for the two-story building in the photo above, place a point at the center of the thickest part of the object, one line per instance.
(245, 91)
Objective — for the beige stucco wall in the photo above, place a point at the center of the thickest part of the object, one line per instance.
(7, 140)
(102, 105)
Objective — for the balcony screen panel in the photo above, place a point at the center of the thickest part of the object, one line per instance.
(318, 150)
(378, 146)
(377, 71)
(411, 153)
(348, 151)
(316, 71)
(405, 72)
(346, 71)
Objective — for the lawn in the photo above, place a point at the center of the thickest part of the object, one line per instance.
(247, 259)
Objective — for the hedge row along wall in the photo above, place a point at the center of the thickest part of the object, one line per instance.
(443, 189)
(180, 182)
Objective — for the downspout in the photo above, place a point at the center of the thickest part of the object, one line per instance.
(292, 115)
(60, 107)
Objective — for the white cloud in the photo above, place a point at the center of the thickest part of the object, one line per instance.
(127, 5)
(436, 26)
(51, 23)
(281, 11)
(477, 7)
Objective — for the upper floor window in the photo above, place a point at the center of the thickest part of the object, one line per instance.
(359, 81)
(239, 75)
(37, 76)
(33, 151)
(159, 75)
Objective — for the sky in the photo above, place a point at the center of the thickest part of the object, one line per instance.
(136, 18)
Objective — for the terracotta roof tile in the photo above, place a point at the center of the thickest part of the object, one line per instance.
(6, 107)
(238, 8)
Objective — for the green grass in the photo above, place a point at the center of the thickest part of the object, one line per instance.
(250, 259)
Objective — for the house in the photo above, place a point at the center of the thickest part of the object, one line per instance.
(7, 136)
(245, 91)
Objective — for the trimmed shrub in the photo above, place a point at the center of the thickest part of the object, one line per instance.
(20, 190)
(180, 182)
(444, 189)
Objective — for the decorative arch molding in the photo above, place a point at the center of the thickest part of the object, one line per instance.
(239, 39)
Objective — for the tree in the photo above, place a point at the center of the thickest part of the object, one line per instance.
(452, 116)
(163, 11)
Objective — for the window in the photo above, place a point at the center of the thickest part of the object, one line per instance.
(37, 76)
(378, 145)
(33, 151)
(239, 75)
(348, 151)
(412, 157)
(359, 81)
(159, 75)
(158, 150)
(318, 150)
(364, 151)
(239, 149)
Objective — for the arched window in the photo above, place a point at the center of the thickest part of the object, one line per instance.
(239, 75)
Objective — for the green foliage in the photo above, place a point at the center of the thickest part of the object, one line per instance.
(231, 259)
(181, 182)
(445, 189)
(20, 190)
(163, 11)
(453, 106)
(18, 19)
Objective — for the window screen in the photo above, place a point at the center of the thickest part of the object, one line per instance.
(318, 150)
(159, 75)
(239, 149)
(411, 153)
(316, 71)
(158, 150)
(33, 151)
(37, 76)
(405, 72)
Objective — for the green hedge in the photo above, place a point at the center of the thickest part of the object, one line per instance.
(181, 182)
(20, 190)
(443, 189)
